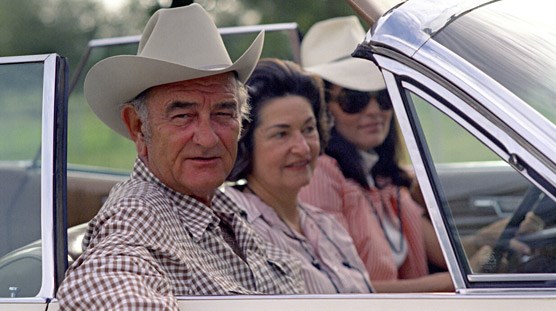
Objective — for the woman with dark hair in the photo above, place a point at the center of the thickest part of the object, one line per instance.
(277, 155)
(359, 180)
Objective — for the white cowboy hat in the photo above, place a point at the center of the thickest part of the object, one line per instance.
(326, 51)
(177, 44)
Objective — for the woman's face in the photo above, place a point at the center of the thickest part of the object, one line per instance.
(366, 129)
(286, 145)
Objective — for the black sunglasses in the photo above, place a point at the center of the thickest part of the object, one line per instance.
(352, 101)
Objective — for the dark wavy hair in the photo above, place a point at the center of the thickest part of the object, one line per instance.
(273, 78)
(350, 161)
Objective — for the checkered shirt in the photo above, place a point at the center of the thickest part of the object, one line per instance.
(149, 244)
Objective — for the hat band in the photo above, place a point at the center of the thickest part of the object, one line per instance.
(337, 60)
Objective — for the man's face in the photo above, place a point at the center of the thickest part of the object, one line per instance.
(193, 132)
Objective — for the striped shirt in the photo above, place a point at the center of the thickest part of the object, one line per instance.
(330, 263)
(149, 244)
(355, 208)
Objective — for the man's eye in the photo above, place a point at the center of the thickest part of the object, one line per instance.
(225, 114)
(180, 117)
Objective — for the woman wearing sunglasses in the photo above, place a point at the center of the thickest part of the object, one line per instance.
(359, 180)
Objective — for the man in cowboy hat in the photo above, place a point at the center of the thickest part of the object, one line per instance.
(168, 231)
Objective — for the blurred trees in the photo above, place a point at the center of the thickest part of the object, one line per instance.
(248, 12)
(65, 26)
(62, 26)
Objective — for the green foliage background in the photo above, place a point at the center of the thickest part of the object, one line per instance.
(66, 26)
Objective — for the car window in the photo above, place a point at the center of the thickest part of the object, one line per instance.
(20, 126)
(32, 105)
(483, 201)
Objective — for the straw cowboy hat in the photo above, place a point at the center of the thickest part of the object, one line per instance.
(177, 44)
(326, 51)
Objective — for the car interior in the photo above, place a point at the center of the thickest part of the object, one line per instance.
(476, 195)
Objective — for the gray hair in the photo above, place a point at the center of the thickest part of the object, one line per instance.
(139, 103)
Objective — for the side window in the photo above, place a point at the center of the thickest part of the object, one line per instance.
(21, 92)
(497, 220)
(33, 115)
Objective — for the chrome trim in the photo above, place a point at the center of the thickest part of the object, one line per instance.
(410, 25)
(510, 293)
(19, 300)
(419, 168)
(47, 173)
(23, 59)
(370, 10)
(511, 277)
(392, 68)
(502, 103)
(113, 41)
(402, 30)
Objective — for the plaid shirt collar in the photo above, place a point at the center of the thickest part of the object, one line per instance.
(196, 216)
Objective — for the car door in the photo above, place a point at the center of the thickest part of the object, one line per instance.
(33, 102)
(471, 86)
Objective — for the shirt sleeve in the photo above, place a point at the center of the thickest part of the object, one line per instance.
(118, 270)
(330, 191)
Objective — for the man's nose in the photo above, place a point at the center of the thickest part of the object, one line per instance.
(205, 135)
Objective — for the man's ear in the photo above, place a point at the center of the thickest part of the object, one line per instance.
(134, 126)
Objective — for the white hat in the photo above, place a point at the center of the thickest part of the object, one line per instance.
(326, 51)
(177, 44)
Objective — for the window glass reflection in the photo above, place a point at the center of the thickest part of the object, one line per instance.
(516, 50)
(499, 221)
(21, 87)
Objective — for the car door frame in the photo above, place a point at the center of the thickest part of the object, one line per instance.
(53, 179)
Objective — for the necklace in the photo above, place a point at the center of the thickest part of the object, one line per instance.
(397, 249)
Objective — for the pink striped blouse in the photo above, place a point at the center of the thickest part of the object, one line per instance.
(329, 260)
(351, 205)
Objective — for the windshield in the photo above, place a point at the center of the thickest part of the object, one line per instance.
(516, 47)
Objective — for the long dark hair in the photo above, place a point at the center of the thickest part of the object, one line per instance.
(350, 161)
(273, 78)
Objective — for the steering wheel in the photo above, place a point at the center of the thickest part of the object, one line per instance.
(533, 198)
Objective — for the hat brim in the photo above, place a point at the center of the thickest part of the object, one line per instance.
(118, 79)
(352, 73)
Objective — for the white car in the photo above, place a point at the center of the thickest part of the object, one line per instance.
(473, 84)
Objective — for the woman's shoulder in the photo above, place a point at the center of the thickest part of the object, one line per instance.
(328, 163)
(318, 214)
(244, 202)
(403, 195)
(327, 172)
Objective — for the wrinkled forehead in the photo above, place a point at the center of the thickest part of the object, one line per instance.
(221, 83)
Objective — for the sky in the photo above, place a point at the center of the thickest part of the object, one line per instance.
(113, 5)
